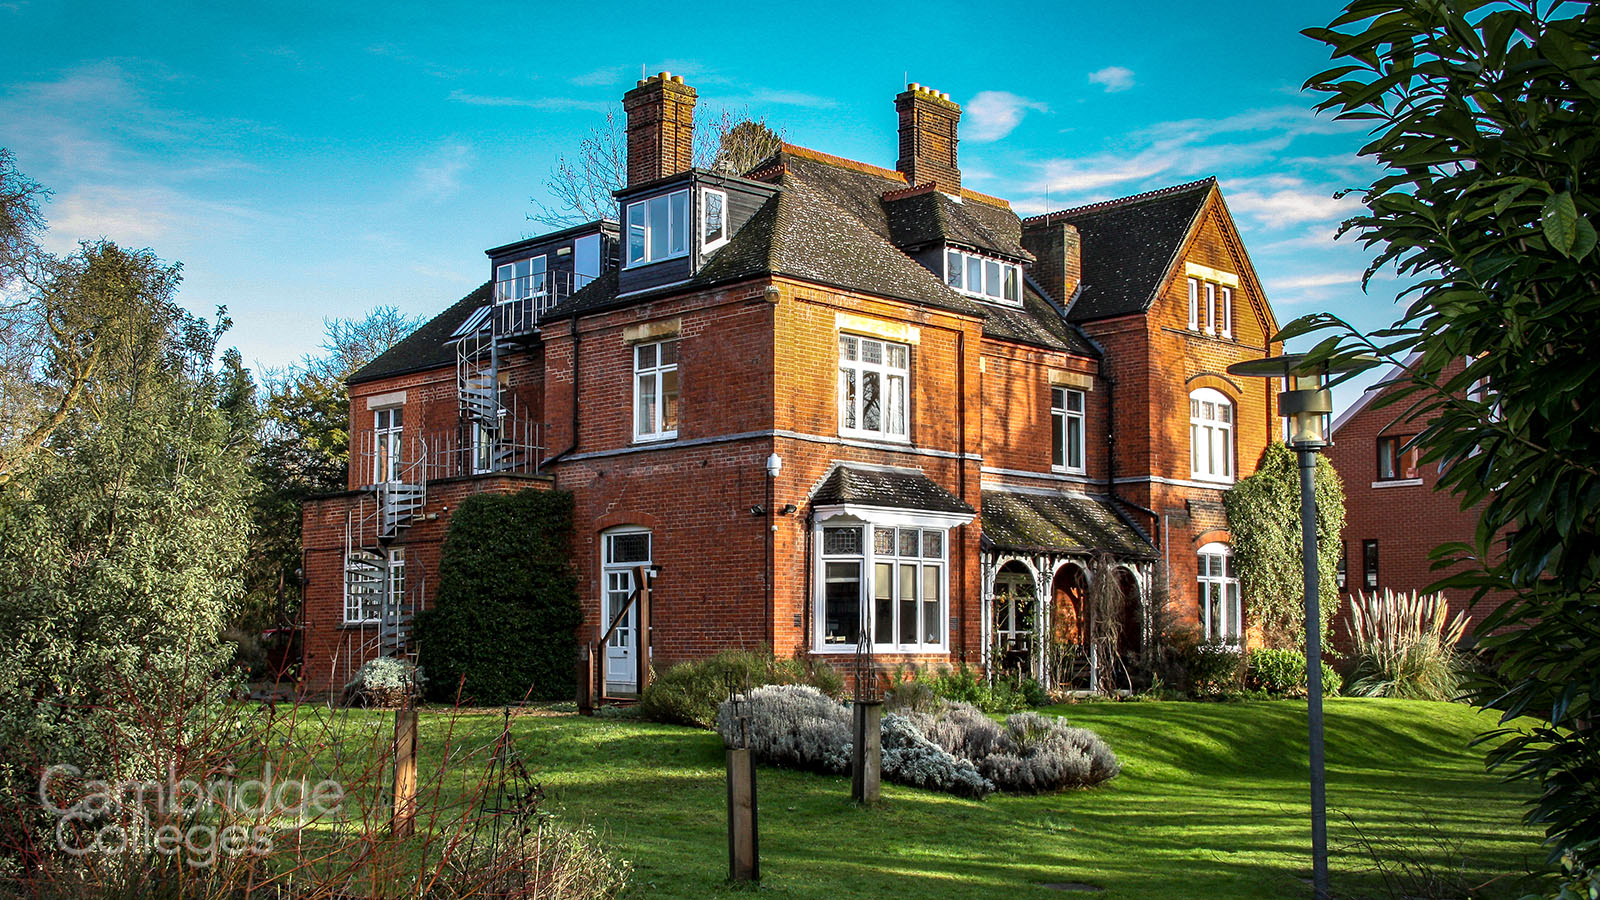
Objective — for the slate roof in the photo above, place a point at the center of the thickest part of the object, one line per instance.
(1062, 522)
(424, 348)
(895, 490)
(1037, 323)
(928, 217)
(1128, 246)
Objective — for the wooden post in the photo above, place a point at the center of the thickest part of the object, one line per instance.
(405, 772)
(585, 680)
(744, 845)
(641, 630)
(866, 772)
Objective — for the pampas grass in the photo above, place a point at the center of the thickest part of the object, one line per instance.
(1405, 646)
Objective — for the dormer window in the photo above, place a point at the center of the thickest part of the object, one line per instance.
(658, 228)
(985, 278)
(713, 220)
(519, 280)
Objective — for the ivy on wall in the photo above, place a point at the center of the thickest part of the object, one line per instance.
(1264, 517)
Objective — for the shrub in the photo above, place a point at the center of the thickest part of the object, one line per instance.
(503, 624)
(1405, 646)
(1282, 673)
(546, 860)
(1214, 670)
(953, 748)
(961, 684)
(688, 693)
(385, 682)
(1046, 754)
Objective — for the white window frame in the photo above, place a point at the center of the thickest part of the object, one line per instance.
(893, 409)
(1211, 307)
(1064, 423)
(1227, 626)
(388, 440)
(511, 287)
(655, 375)
(1227, 310)
(982, 290)
(1194, 304)
(928, 570)
(677, 227)
(1211, 438)
(613, 574)
(705, 198)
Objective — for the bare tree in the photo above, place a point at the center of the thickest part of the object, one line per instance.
(20, 219)
(731, 143)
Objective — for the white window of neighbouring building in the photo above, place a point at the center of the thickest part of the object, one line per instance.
(873, 378)
(658, 228)
(1211, 421)
(1221, 613)
(1066, 424)
(386, 432)
(887, 582)
(655, 391)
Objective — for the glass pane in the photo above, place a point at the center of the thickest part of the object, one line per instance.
(895, 414)
(883, 541)
(1075, 401)
(1234, 613)
(645, 414)
(1057, 446)
(992, 282)
(502, 283)
(1208, 411)
(908, 603)
(933, 544)
(872, 351)
(713, 217)
(932, 623)
(1074, 442)
(952, 262)
(679, 229)
(658, 227)
(974, 275)
(1013, 284)
(897, 356)
(849, 347)
(668, 353)
(635, 232)
(536, 269)
(849, 376)
(628, 547)
(871, 406)
(841, 602)
(1225, 412)
(841, 541)
(883, 603)
(669, 400)
(644, 356)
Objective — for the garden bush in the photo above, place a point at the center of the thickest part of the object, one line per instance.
(1282, 673)
(688, 693)
(953, 747)
(385, 682)
(1214, 670)
(1007, 693)
(1405, 646)
(503, 624)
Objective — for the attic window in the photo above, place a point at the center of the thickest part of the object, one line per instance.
(983, 277)
(713, 220)
(658, 228)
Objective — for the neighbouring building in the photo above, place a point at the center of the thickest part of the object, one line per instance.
(830, 402)
(1394, 516)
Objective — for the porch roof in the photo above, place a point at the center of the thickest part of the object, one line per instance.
(1059, 522)
(849, 485)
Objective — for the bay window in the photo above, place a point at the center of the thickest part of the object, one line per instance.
(873, 377)
(658, 228)
(884, 581)
(983, 277)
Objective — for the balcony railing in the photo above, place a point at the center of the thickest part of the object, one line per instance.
(519, 304)
(514, 445)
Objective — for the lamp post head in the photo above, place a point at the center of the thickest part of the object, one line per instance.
(1306, 402)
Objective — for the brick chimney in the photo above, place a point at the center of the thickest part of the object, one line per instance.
(660, 112)
(928, 138)
(1057, 256)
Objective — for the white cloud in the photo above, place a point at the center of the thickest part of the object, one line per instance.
(1113, 78)
(438, 176)
(546, 103)
(991, 115)
(604, 76)
(1292, 206)
(1314, 280)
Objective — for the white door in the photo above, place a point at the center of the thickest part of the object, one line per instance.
(623, 551)
(621, 670)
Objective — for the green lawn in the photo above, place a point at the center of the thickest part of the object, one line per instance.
(1211, 803)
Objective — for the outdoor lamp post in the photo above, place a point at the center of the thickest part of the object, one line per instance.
(1306, 403)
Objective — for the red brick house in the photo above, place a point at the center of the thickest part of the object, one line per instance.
(1394, 515)
(830, 402)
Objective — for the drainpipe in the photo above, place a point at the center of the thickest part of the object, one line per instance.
(573, 445)
(961, 473)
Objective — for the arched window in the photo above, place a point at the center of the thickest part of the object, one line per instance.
(1211, 435)
(1221, 612)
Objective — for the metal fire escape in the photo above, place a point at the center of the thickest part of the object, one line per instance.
(384, 509)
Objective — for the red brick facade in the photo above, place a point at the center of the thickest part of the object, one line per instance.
(759, 369)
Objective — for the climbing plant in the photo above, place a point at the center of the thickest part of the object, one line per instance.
(1264, 516)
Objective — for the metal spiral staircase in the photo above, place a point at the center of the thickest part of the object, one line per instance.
(384, 509)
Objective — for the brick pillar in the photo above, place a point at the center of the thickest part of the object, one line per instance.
(660, 112)
(1058, 256)
(928, 123)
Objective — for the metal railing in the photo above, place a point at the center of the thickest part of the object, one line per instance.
(509, 442)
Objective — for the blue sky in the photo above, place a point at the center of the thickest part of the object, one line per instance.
(306, 160)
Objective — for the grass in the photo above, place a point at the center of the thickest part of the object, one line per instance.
(1212, 802)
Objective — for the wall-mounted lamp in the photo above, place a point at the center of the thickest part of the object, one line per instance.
(774, 465)
(789, 509)
(758, 510)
